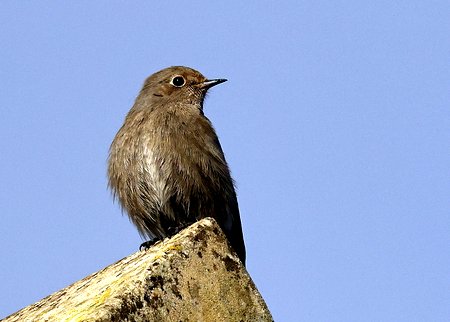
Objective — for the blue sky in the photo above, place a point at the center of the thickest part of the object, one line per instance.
(335, 123)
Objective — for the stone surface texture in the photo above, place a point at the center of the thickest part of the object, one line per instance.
(193, 276)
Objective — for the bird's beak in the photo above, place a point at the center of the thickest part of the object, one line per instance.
(211, 82)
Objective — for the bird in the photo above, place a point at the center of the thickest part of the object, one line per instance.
(166, 165)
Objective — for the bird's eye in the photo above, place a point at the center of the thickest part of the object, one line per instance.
(178, 81)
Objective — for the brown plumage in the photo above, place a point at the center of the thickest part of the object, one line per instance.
(166, 165)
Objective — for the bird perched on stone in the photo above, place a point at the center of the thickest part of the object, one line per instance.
(166, 165)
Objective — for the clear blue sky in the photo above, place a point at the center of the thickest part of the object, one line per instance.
(335, 122)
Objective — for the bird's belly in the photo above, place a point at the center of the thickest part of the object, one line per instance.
(153, 175)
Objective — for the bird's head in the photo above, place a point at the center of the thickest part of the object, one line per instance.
(178, 84)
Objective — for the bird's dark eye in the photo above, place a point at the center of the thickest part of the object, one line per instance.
(178, 81)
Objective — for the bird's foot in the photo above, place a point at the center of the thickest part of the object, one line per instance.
(149, 243)
(171, 231)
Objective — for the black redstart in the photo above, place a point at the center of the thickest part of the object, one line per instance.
(166, 165)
